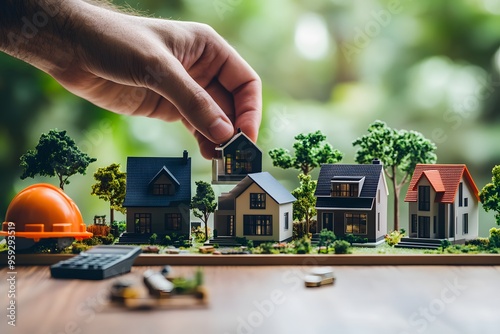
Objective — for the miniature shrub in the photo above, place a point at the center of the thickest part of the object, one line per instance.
(94, 241)
(108, 240)
(242, 241)
(341, 247)
(351, 238)
(303, 245)
(118, 228)
(445, 244)
(77, 248)
(479, 242)
(167, 241)
(153, 239)
(393, 238)
(495, 237)
(249, 244)
(198, 234)
(326, 238)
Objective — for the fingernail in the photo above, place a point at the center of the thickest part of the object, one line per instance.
(220, 130)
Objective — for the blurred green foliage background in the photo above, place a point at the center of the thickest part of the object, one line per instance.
(329, 65)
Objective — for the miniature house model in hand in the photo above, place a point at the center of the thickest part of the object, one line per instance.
(352, 199)
(235, 159)
(258, 208)
(158, 194)
(443, 203)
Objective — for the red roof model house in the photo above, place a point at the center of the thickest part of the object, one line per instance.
(443, 202)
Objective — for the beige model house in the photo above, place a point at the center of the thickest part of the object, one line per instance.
(443, 203)
(258, 208)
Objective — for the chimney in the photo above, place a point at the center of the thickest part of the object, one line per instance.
(376, 162)
(185, 156)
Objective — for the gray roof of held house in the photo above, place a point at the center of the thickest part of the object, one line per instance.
(370, 173)
(143, 171)
(268, 184)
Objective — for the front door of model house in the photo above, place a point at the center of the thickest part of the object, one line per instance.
(424, 227)
(328, 221)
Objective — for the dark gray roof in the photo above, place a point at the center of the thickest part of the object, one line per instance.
(142, 170)
(268, 183)
(371, 173)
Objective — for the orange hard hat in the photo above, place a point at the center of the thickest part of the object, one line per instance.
(44, 211)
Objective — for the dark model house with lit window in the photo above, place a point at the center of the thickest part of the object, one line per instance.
(158, 194)
(443, 203)
(258, 208)
(235, 159)
(352, 199)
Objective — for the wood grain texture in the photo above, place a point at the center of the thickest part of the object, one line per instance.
(281, 259)
(271, 299)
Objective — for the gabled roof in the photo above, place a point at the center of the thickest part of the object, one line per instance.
(444, 179)
(435, 180)
(235, 137)
(141, 171)
(170, 176)
(371, 173)
(268, 184)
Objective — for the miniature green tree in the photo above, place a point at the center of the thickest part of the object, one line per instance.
(56, 154)
(203, 203)
(399, 151)
(311, 151)
(304, 207)
(110, 186)
(490, 194)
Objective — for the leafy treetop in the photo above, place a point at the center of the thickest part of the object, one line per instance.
(111, 186)
(56, 154)
(311, 151)
(490, 194)
(304, 206)
(398, 151)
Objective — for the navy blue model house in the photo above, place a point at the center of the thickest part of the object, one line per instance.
(352, 199)
(158, 194)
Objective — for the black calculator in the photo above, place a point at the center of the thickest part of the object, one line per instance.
(97, 263)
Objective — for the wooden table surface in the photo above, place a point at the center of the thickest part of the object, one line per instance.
(269, 299)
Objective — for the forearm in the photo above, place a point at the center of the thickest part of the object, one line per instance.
(44, 32)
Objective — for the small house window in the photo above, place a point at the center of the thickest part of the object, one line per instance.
(460, 194)
(424, 198)
(163, 189)
(287, 220)
(355, 223)
(466, 223)
(344, 189)
(173, 221)
(257, 201)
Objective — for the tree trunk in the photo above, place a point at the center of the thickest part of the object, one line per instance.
(396, 208)
(111, 216)
(395, 190)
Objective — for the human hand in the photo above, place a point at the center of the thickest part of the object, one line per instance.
(162, 69)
